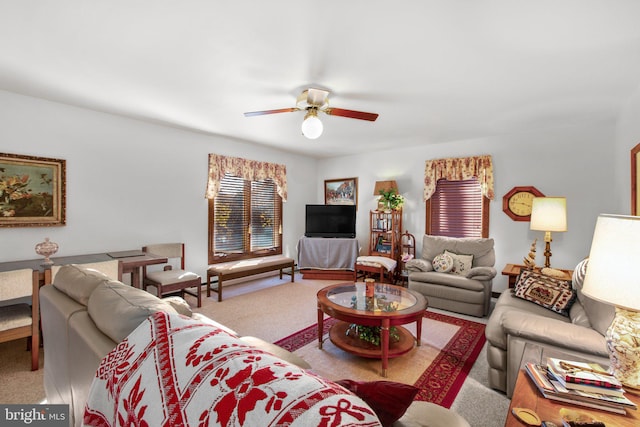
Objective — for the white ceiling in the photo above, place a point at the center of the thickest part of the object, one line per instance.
(435, 71)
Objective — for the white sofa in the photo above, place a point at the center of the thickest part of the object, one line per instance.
(85, 315)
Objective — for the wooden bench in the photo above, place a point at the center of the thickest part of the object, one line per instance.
(247, 267)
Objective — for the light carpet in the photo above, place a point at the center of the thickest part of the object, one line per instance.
(438, 367)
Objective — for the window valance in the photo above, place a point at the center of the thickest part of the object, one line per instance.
(251, 170)
(459, 169)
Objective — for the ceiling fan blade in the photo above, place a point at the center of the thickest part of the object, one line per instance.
(262, 113)
(317, 97)
(361, 115)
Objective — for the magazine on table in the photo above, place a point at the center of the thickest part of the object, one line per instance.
(552, 389)
(571, 372)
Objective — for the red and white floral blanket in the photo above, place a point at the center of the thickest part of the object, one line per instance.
(175, 371)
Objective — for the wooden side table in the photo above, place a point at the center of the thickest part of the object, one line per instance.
(513, 270)
(526, 395)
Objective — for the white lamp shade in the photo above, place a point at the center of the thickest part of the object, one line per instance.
(549, 214)
(612, 276)
(312, 127)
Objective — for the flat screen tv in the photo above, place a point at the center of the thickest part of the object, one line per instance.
(330, 221)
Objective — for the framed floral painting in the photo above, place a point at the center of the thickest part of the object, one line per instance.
(342, 191)
(32, 191)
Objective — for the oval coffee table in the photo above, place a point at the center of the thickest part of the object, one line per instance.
(391, 306)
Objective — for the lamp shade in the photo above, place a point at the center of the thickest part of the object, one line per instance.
(611, 274)
(384, 185)
(549, 214)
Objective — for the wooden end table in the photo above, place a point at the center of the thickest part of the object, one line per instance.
(512, 271)
(347, 302)
(526, 395)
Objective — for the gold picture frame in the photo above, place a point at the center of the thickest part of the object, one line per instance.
(32, 191)
(635, 185)
(343, 191)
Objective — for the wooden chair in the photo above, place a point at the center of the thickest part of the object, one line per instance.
(367, 266)
(171, 280)
(19, 317)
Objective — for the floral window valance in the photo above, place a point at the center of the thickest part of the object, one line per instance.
(459, 169)
(251, 170)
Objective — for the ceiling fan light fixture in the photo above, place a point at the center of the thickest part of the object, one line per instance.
(311, 125)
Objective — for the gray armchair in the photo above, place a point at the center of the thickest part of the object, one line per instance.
(467, 293)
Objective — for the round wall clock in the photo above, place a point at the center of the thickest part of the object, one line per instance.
(517, 202)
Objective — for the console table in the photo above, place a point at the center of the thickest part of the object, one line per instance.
(130, 264)
(327, 257)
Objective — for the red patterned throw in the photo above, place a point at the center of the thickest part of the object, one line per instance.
(174, 371)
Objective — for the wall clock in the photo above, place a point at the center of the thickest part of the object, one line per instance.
(517, 202)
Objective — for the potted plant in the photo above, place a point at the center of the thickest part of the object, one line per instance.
(390, 199)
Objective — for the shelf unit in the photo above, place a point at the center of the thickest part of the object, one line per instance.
(384, 233)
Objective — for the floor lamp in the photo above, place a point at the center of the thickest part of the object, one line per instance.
(548, 214)
(612, 277)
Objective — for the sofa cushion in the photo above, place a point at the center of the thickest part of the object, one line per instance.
(418, 264)
(388, 399)
(180, 305)
(78, 282)
(447, 280)
(117, 309)
(599, 313)
(481, 273)
(443, 263)
(461, 263)
(480, 248)
(554, 294)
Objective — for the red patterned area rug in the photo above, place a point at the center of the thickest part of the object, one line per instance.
(450, 347)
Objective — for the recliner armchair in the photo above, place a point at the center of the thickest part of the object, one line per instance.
(469, 293)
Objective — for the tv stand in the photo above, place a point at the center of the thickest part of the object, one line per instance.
(327, 258)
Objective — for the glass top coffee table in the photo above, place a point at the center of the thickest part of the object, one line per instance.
(391, 306)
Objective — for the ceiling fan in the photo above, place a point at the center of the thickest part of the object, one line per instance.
(314, 100)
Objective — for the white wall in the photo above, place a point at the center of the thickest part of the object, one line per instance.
(576, 162)
(130, 183)
(627, 137)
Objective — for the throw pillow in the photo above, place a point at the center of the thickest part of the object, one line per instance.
(418, 264)
(461, 263)
(553, 294)
(442, 263)
(388, 399)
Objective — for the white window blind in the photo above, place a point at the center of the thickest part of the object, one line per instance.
(245, 220)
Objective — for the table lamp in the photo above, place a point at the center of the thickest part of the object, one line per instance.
(612, 278)
(548, 214)
(384, 186)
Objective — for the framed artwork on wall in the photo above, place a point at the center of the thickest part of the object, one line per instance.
(32, 191)
(635, 185)
(342, 191)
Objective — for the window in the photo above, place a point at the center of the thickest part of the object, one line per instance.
(245, 220)
(458, 209)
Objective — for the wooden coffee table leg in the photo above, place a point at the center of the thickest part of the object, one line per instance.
(419, 331)
(320, 327)
(385, 346)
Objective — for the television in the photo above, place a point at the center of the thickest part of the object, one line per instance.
(330, 221)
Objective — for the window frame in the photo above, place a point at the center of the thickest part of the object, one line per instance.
(484, 232)
(247, 252)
